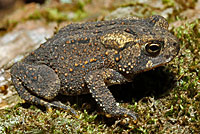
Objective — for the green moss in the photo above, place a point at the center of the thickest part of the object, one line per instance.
(189, 66)
(186, 94)
(53, 14)
(170, 3)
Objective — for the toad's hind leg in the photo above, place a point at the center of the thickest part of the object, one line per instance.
(37, 84)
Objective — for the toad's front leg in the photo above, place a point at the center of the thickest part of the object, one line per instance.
(97, 82)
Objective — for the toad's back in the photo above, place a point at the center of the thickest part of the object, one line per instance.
(80, 48)
(88, 57)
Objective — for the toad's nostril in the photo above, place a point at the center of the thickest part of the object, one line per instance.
(175, 44)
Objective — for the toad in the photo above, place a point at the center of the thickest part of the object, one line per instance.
(89, 57)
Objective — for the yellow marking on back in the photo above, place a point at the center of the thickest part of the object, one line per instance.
(116, 40)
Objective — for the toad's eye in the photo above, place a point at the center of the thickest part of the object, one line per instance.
(153, 49)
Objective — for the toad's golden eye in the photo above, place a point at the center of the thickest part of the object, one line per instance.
(153, 49)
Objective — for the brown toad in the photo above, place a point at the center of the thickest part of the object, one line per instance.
(87, 58)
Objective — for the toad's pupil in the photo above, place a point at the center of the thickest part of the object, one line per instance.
(154, 47)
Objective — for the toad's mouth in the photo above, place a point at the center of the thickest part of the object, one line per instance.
(155, 65)
(130, 77)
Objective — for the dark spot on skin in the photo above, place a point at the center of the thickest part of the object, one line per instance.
(167, 56)
(130, 31)
(84, 41)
